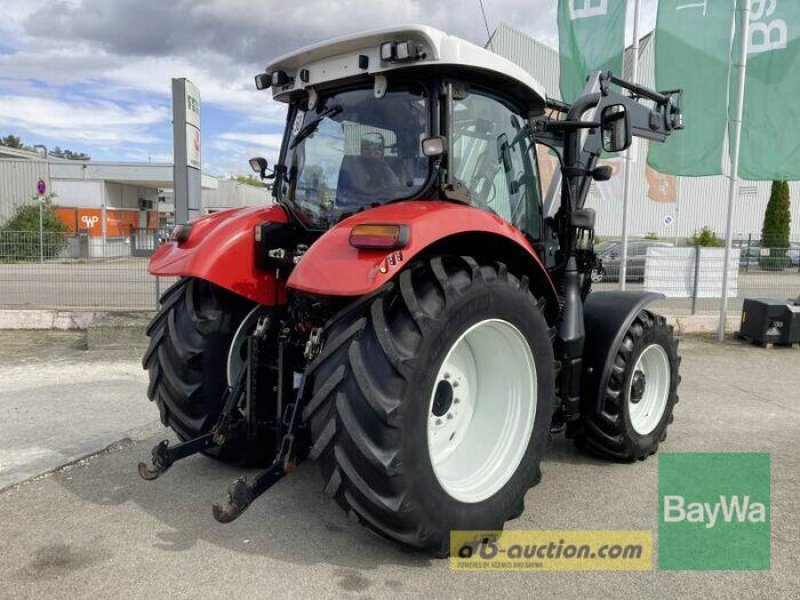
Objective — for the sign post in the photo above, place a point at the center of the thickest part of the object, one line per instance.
(186, 145)
(41, 189)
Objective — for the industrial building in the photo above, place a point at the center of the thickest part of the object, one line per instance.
(111, 200)
(664, 205)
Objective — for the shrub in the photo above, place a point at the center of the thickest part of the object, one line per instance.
(775, 231)
(19, 236)
(706, 238)
(651, 236)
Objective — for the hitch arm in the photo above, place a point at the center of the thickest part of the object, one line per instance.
(242, 493)
(164, 455)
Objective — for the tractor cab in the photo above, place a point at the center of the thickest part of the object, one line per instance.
(403, 114)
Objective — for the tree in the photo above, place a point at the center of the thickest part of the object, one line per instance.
(19, 237)
(776, 228)
(11, 141)
(249, 180)
(68, 154)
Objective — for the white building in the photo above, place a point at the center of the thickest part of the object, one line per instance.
(140, 193)
(670, 207)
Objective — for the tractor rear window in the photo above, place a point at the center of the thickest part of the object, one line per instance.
(356, 151)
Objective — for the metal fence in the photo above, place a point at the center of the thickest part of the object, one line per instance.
(68, 271)
(65, 271)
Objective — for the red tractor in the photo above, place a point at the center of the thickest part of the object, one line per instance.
(410, 313)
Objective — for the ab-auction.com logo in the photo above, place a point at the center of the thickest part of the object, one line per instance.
(714, 511)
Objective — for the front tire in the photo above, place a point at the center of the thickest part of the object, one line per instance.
(379, 388)
(638, 402)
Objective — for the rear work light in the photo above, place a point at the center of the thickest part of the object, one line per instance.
(379, 237)
(180, 233)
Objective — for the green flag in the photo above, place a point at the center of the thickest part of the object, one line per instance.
(693, 50)
(770, 138)
(591, 37)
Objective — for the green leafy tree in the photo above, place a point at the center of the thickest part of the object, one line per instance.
(776, 228)
(11, 141)
(706, 238)
(58, 152)
(19, 236)
(249, 180)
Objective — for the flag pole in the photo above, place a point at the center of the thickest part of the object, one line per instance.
(626, 190)
(733, 186)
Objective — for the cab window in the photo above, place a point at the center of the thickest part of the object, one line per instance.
(494, 157)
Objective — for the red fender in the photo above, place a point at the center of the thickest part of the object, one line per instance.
(220, 249)
(332, 267)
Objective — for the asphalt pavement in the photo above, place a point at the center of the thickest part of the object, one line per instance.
(94, 529)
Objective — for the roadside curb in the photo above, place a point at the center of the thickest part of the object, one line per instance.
(702, 324)
(111, 321)
(47, 319)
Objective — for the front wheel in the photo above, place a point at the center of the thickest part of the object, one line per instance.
(638, 402)
(432, 402)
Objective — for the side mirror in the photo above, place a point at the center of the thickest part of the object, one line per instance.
(616, 127)
(259, 165)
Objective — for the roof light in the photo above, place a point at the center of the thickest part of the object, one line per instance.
(401, 51)
(280, 78)
(387, 51)
(379, 236)
(434, 146)
(263, 81)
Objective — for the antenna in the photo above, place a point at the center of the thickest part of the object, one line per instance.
(486, 24)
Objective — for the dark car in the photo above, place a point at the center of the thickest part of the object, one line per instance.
(610, 254)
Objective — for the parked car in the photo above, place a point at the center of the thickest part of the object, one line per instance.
(751, 255)
(794, 255)
(610, 252)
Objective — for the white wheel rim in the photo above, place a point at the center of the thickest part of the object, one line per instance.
(238, 349)
(646, 406)
(597, 277)
(478, 439)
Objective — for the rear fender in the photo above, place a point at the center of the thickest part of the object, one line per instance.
(221, 249)
(607, 316)
(332, 267)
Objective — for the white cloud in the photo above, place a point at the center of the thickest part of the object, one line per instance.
(85, 120)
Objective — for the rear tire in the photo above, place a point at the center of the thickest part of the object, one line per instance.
(374, 399)
(642, 391)
(187, 359)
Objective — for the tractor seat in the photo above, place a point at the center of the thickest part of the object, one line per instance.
(361, 178)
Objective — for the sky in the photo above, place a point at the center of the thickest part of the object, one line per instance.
(94, 75)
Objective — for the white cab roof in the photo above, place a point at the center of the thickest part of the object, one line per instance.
(339, 59)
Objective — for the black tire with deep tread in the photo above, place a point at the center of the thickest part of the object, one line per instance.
(190, 337)
(608, 433)
(371, 387)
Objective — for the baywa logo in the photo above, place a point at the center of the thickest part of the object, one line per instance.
(714, 511)
(740, 509)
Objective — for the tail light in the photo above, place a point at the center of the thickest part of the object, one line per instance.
(379, 237)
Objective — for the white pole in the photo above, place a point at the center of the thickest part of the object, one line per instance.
(733, 187)
(626, 190)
